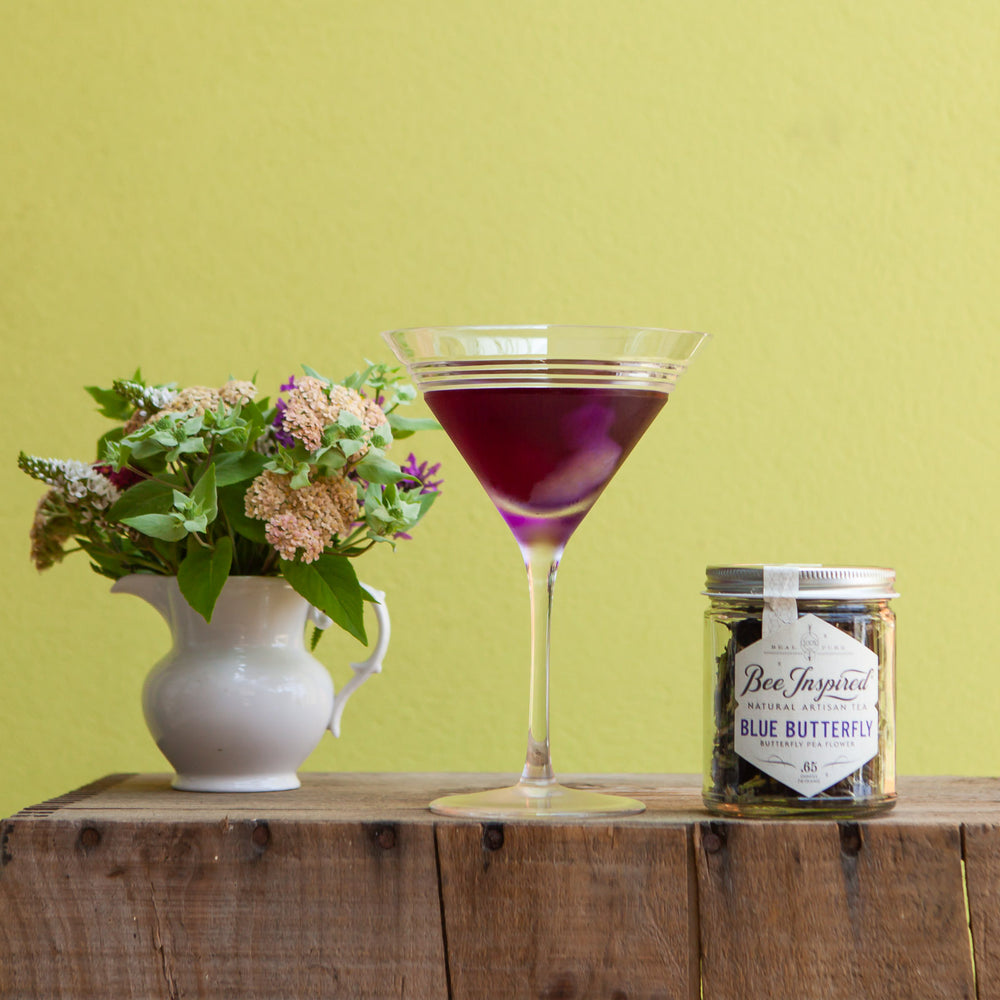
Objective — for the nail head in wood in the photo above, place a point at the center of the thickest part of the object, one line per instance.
(713, 837)
(493, 836)
(90, 837)
(850, 838)
(385, 837)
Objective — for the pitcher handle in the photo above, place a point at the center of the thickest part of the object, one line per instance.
(365, 669)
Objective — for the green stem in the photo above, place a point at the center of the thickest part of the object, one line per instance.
(235, 568)
(131, 560)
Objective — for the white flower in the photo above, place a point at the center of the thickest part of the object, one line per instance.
(81, 482)
(76, 476)
(103, 493)
(158, 398)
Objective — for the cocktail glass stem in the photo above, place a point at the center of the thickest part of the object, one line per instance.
(541, 562)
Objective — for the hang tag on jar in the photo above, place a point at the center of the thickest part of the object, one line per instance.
(781, 586)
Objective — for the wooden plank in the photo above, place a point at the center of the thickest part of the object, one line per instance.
(568, 911)
(129, 888)
(399, 797)
(840, 911)
(981, 842)
(403, 797)
(264, 911)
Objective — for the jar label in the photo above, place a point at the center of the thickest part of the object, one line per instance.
(807, 705)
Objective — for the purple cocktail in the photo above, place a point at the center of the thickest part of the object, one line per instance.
(544, 453)
(544, 416)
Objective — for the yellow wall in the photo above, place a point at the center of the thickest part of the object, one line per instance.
(213, 188)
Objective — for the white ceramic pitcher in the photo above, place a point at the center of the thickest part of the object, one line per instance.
(239, 703)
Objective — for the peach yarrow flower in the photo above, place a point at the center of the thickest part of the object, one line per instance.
(305, 519)
(196, 398)
(312, 405)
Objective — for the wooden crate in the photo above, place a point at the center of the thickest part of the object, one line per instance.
(349, 887)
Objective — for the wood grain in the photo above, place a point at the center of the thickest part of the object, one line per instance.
(349, 887)
(568, 911)
(245, 908)
(839, 911)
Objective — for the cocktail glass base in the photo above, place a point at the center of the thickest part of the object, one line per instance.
(531, 800)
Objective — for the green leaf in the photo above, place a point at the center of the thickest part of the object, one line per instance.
(316, 374)
(232, 500)
(381, 436)
(377, 468)
(151, 496)
(192, 446)
(330, 462)
(405, 426)
(377, 517)
(350, 447)
(146, 449)
(109, 403)
(300, 477)
(331, 435)
(257, 416)
(203, 573)
(356, 380)
(204, 494)
(163, 526)
(110, 437)
(288, 461)
(167, 552)
(166, 437)
(425, 500)
(331, 585)
(351, 423)
(234, 467)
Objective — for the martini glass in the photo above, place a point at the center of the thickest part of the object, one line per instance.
(544, 416)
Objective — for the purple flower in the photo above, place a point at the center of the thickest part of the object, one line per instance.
(283, 437)
(123, 478)
(420, 475)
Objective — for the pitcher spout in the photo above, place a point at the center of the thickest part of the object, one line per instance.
(152, 589)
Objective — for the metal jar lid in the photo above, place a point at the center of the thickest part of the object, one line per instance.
(827, 583)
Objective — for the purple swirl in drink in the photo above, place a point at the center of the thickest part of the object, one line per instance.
(544, 453)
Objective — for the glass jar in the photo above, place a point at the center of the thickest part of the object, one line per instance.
(799, 690)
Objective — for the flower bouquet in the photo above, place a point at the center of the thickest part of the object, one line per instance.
(204, 484)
